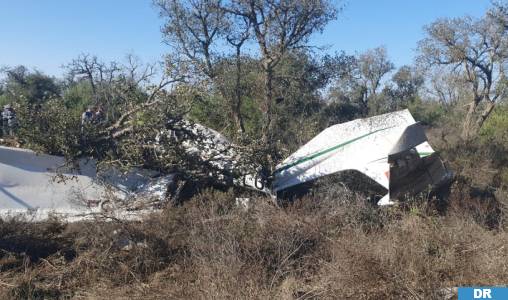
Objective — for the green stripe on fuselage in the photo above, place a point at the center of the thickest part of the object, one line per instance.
(312, 156)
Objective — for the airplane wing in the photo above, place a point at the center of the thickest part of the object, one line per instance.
(28, 183)
(44, 184)
(363, 145)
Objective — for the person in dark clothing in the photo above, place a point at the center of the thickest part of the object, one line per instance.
(98, 117)
(9, 120)
(87, 118)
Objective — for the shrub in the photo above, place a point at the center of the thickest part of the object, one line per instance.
(315, 247)
(495, 128)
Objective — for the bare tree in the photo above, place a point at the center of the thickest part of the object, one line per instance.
(446, 87)
(96, 72)
(478, 51)
(113, 84)
(192, 27)
(237, 36)
(500, 12)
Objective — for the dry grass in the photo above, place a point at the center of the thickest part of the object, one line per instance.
(209, 248)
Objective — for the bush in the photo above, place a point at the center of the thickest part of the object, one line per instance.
(316, 247)
(495, 128)
(427, 112)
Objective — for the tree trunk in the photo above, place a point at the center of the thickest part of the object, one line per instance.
(237, 105)
(471, 127)
(267, 126)
(485, 114)
(467, 127)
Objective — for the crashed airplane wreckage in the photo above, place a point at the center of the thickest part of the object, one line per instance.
(391, 149)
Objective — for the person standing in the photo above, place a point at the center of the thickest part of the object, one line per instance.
(9, 121)
(98, 115)
(87, 118)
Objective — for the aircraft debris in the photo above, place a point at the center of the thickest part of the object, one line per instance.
(391, 149)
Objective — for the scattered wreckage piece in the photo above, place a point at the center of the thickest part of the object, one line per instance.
(41, 185)
(214, 148)
(392, 149)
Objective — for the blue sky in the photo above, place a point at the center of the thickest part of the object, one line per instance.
(45, 34)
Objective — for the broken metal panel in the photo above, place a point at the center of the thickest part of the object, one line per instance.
(361, 145)
(411, 174)
(27, 181)
(44, 184)
(413, 171)
(412, 136)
